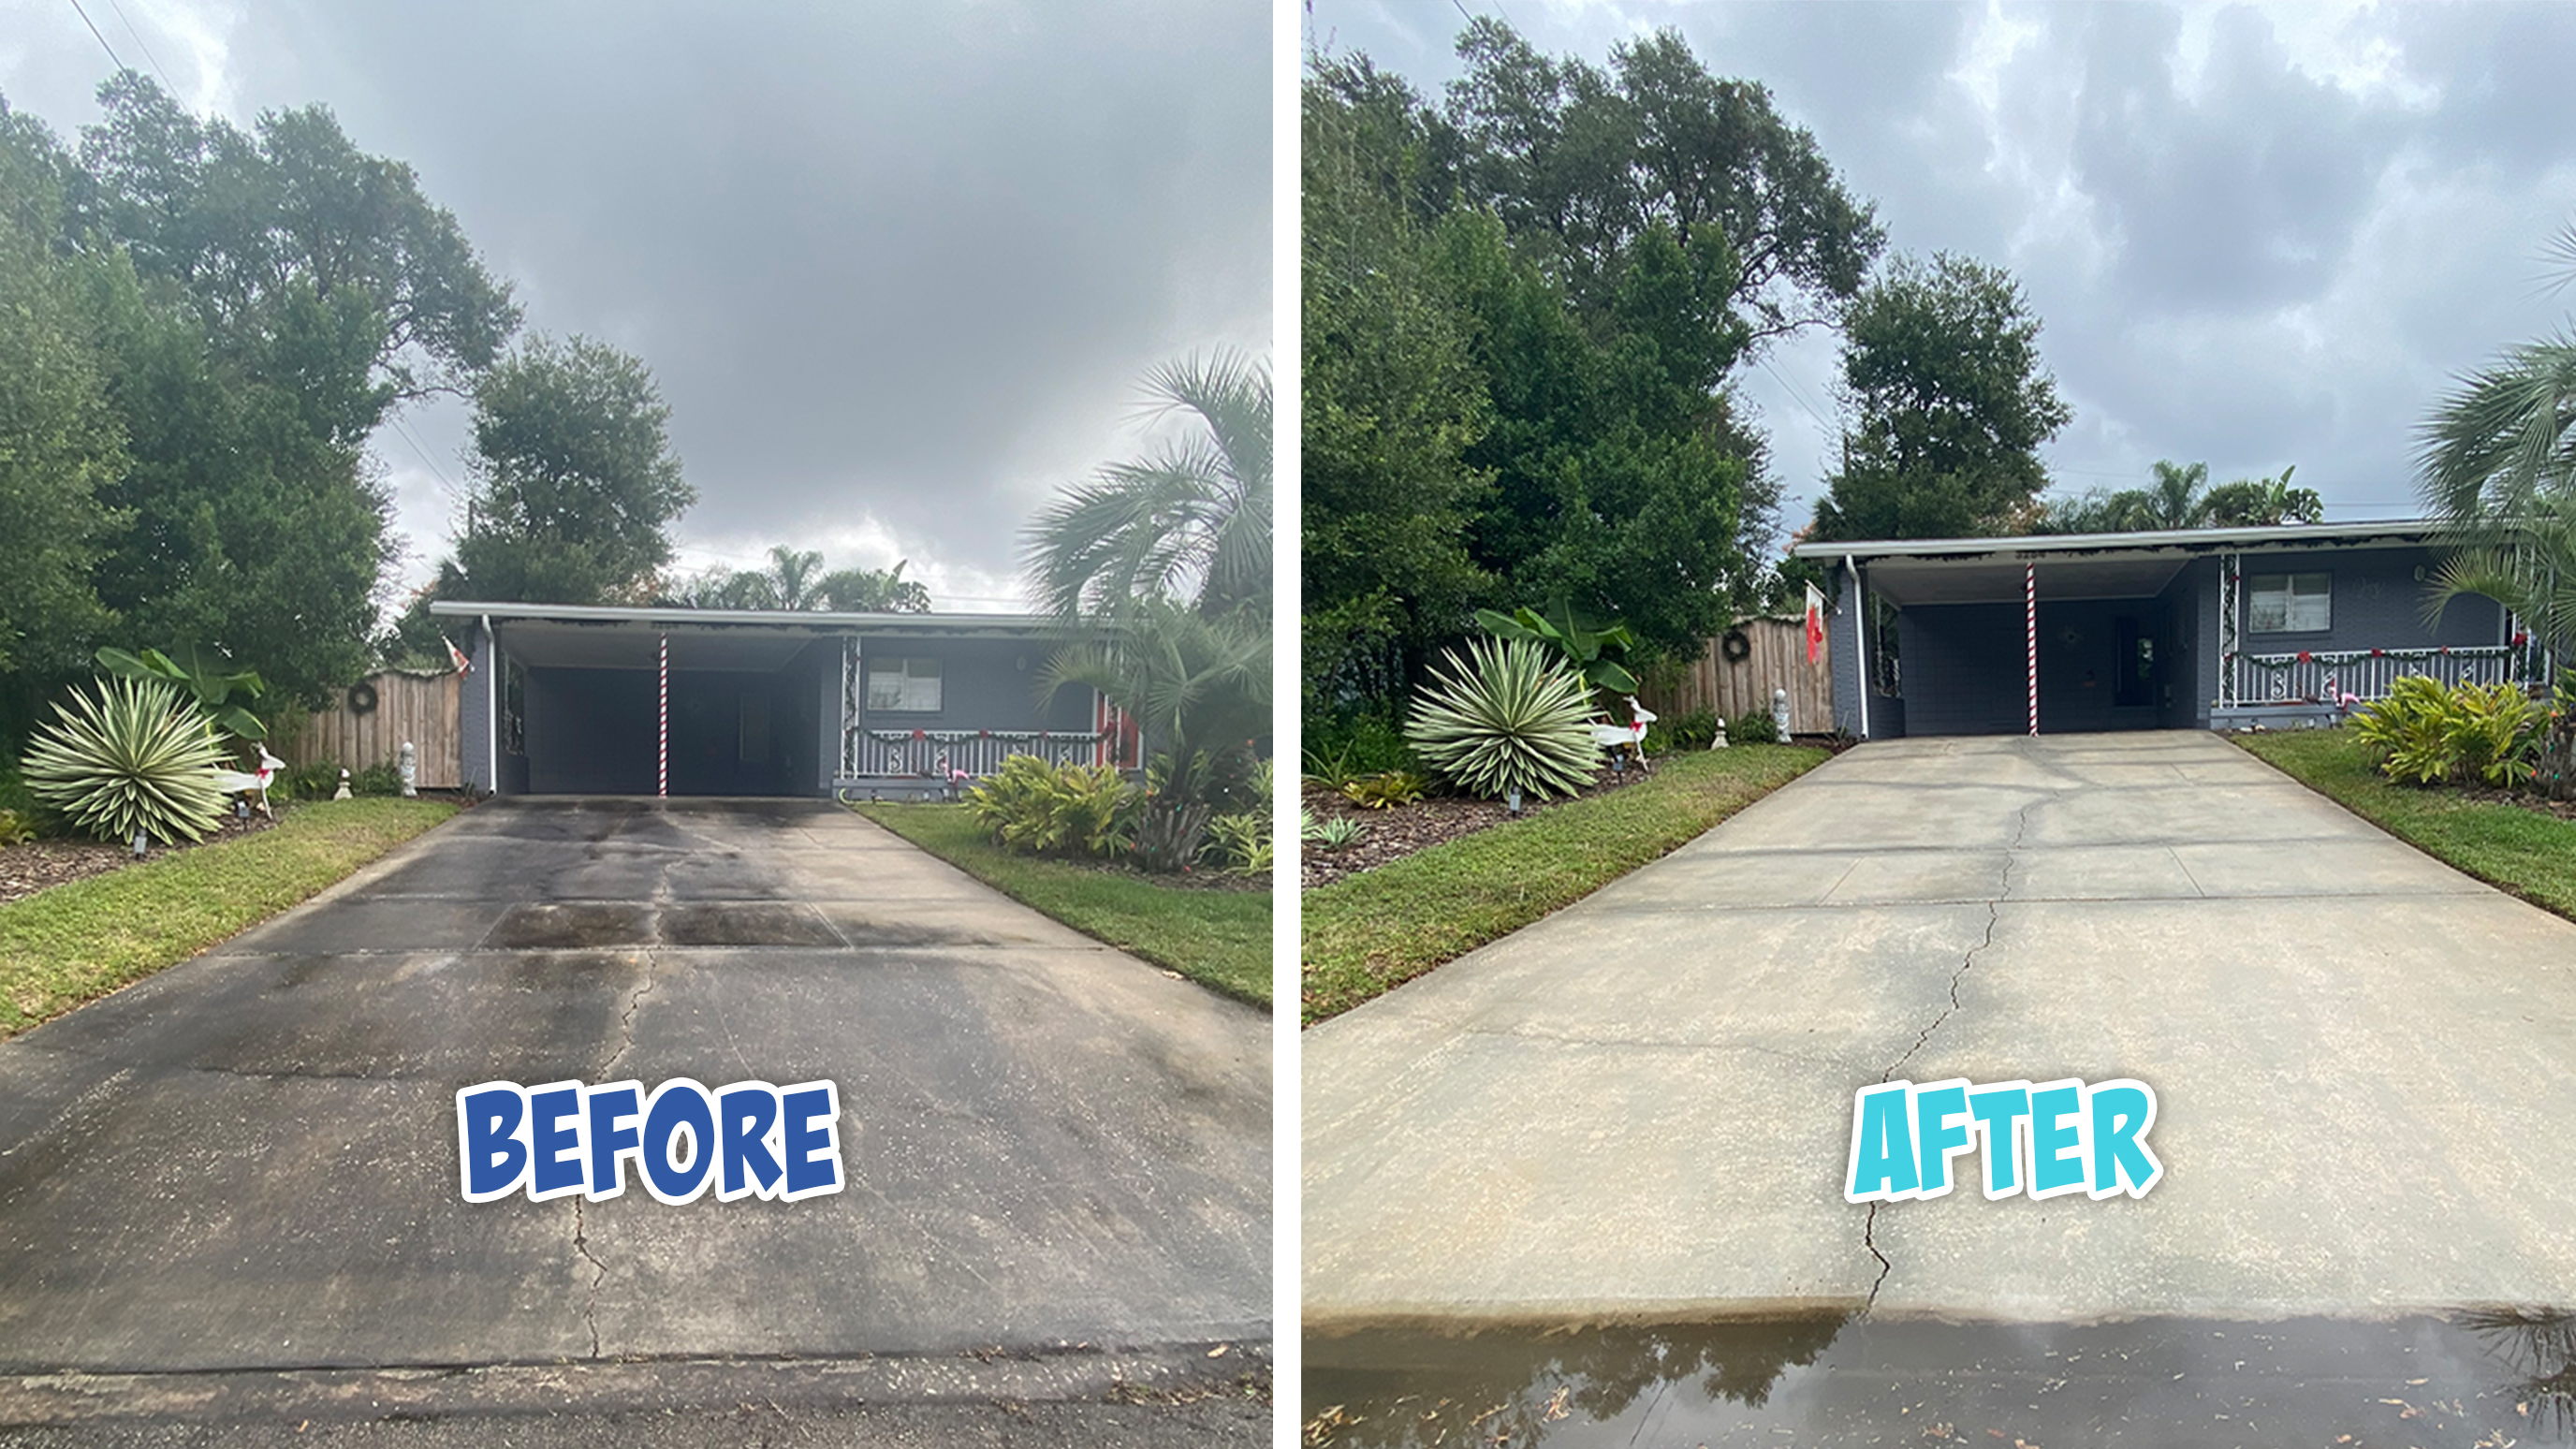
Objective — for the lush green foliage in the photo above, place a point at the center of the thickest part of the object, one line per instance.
(1333, 833)
(1384, 790)
(1950, 404)
(377, 780)
(1754, 727)
(1383, 927)
(1585, 647)
(1219, 938)
(1242, 842)
(1345, 744)
(1038, 808)
(74, 942)
(134, 756)
(2426, 734)
(1503, 717)
(224, 693)
(2180, 499)
(797, 580)
(1522, 310)
(15, 828)
(1696, 730)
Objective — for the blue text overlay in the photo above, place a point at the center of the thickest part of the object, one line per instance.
(748, 1140)
(2046, 1140)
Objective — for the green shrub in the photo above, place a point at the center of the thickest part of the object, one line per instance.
(1503, 716)
(2427, 734)
(1756, 727)
(317, 781)
(1386, 790)
(380, 779)
(16, 828)
(133, 757)
(1342, 747)
(1037, 808)
(1693, 731)
(1242, 841)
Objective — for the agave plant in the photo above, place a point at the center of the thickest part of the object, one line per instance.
(134, 758)
(1504, 718)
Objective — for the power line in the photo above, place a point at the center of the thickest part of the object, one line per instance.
(93, 30)
(146, 48)
(1795, 395)
(453, 493)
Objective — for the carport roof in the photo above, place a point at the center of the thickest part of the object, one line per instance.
(2083, 565)
(807, 620)
(603, 637)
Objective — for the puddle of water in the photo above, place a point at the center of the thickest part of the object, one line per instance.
(2485, 1378)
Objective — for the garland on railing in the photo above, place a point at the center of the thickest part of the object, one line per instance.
(2282, 663)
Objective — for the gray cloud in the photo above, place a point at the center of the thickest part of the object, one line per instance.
(897, 266)
(2257, 236)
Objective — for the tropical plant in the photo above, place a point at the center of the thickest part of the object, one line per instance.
(1586, 649)
(1039, 808)
(1334, 832)
(1242, 841)
(2427, 734)
(1753, 727)
(1385, 790)
(1199, 687)
(1191, 519)
(16, 829)
(135, 758)
(1501, 718)
(205, 675)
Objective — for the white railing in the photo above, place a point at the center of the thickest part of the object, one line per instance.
(933, 754)
(2366, 674)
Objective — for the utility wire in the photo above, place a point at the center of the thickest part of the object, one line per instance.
(93, 30)
(146, 48)
(454, 494)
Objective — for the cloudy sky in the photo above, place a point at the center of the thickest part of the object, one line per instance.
(898, 266)
(2257, 235)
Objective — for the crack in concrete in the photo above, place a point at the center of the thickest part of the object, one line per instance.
(626, 1022)
(1994, 914)
(590, 1298)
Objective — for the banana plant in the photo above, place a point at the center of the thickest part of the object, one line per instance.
(223, 692)
(1586, 649)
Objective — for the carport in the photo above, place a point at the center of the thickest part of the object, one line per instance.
(566, 699)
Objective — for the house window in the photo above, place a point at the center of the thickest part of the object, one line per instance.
(2289, 603)
(903, 685)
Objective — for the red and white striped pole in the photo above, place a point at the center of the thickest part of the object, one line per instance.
(664, 753)
(2030, 635)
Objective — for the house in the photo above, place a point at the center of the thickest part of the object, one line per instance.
(562, 699)
(2205, 628)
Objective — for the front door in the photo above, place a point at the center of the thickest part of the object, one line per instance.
(2136, 663)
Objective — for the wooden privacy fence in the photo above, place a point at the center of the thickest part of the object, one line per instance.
(1776, 659)
(421, 708)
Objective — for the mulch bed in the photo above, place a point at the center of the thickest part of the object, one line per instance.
(2521, 799)
(1401, 830)
(29, 868)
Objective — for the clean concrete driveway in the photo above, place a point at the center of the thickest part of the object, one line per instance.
(249, 1161)
(1642, 1105)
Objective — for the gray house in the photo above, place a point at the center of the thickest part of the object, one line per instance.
(2206, 628)
(567, 700)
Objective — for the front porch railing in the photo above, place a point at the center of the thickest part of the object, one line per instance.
(2366, 674)
(934, 754)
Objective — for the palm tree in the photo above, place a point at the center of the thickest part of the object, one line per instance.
(1191, 519)
(2174, 501)
(1160, 568)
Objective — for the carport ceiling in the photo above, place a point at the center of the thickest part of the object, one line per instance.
(562, 644)
(1990, 580)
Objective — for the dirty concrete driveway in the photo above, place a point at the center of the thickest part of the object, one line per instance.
(249, 1161)
(1642, 1105)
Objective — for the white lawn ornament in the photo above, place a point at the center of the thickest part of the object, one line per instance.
(1624, 742)
(235, 782)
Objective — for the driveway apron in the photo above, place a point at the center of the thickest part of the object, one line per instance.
(250, 1160)
(1641, 1106)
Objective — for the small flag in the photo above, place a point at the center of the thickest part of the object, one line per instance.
(456, 656)
(1815, 622)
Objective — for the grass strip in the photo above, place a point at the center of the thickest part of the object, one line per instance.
(75, 942)
(2525, 852)
(1369, 933)
(1220, 939)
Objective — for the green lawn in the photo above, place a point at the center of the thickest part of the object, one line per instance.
(1219, 939)
(78, 941)
(2522, 851)
(1371, 932)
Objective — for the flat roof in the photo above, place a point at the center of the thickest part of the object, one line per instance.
(807, 620)
(2180, 540)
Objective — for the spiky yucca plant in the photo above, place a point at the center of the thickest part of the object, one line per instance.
(1504, 716)
(135, 757)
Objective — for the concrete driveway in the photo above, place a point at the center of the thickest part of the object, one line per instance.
(249, 1161)
(1642, 1105)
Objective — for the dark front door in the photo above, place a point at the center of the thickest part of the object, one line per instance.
(2136, 663)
